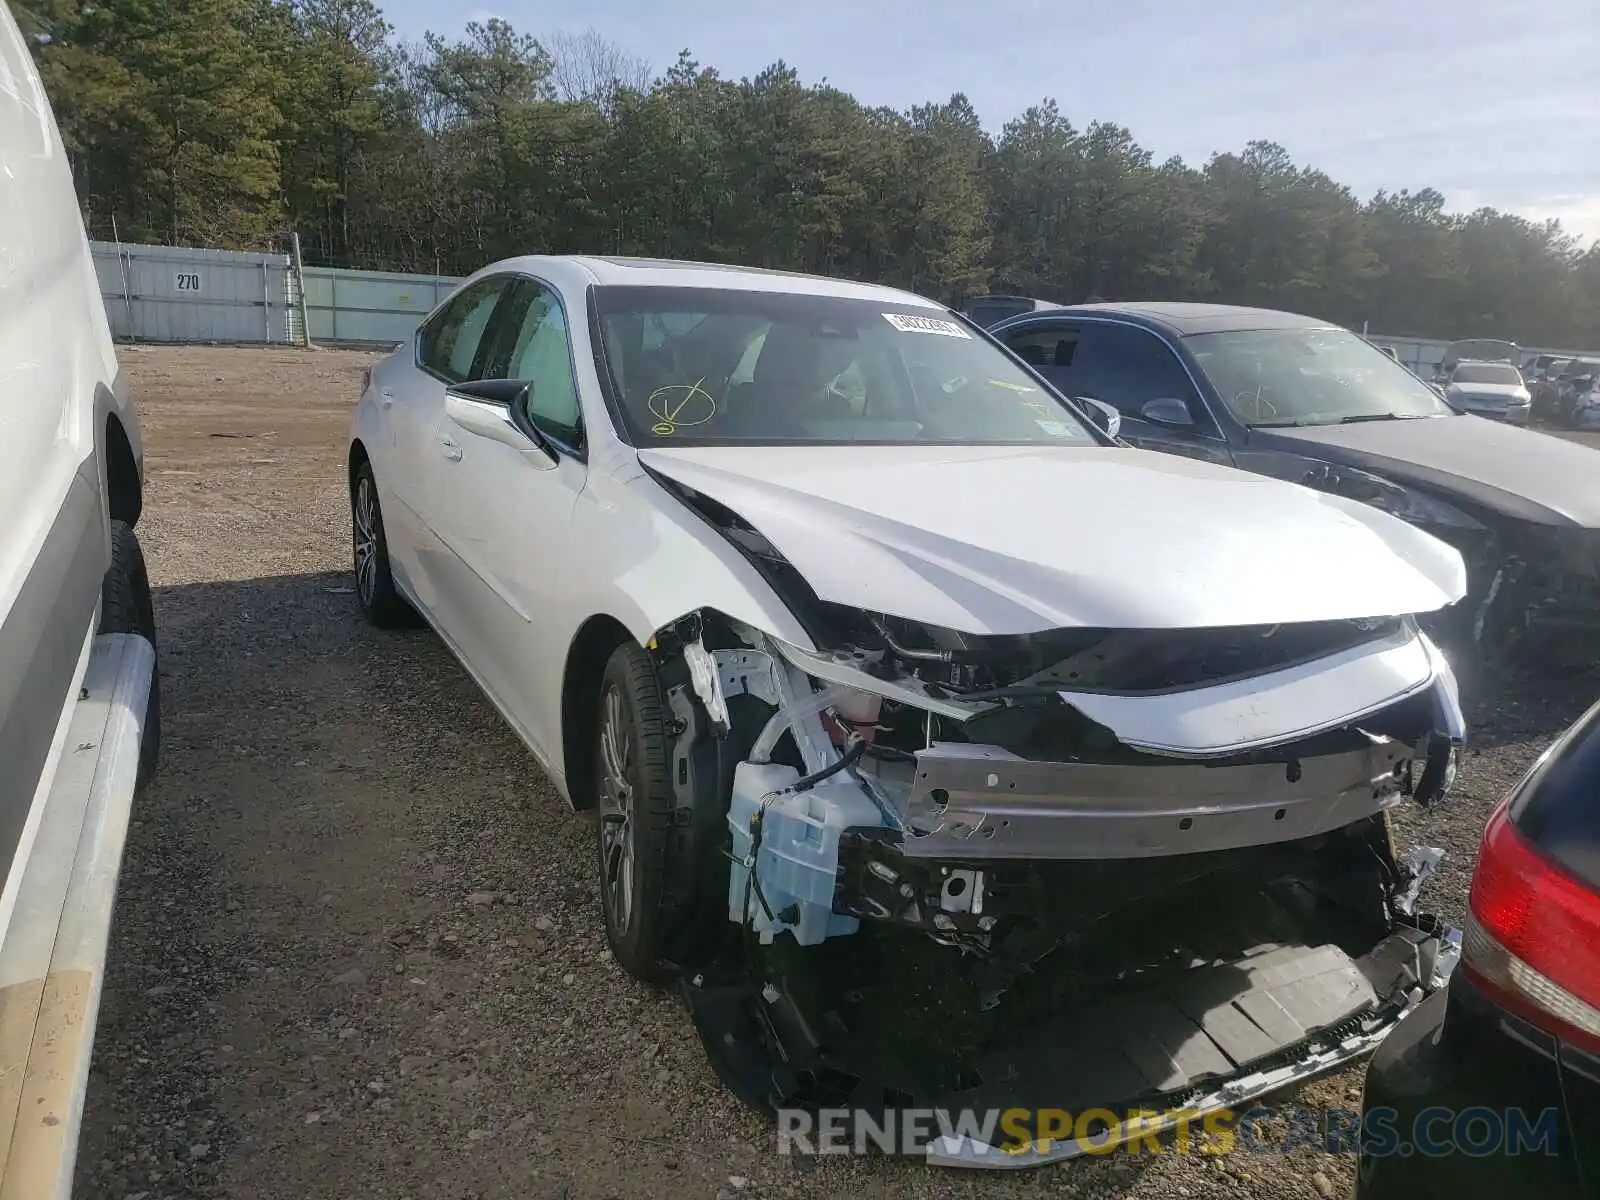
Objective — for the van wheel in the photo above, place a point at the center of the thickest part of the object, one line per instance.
(126, 606)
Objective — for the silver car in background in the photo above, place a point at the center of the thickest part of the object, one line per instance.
(1490, 389)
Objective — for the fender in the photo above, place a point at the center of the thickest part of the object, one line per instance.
(665, 561)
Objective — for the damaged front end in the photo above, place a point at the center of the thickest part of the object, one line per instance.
(1124, 870)
(1535, 586)
(1542, 595)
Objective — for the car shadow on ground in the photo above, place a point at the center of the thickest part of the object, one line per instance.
(1524, 703)
(289, 728)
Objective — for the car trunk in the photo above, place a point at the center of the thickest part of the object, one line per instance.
(1148, 983)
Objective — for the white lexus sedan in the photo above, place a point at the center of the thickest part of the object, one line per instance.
(942, 747)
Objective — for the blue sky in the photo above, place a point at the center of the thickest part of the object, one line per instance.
(1490, 101)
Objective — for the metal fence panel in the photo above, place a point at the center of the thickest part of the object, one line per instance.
(369, 308)
(174, 294)
(180, 294)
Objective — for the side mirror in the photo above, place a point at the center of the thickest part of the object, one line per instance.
(1106, 419)
(484, 406)
(1168, 412)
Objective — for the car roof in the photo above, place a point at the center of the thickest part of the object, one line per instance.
(619, 271)
(1183, 319)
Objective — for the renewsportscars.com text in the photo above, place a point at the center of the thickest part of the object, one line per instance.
(1476, 1132)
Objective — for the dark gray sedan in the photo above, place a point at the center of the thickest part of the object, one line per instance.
(1300, 399)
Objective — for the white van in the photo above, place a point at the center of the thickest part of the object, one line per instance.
(79, 706)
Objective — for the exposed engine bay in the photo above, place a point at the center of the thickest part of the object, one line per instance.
(1083, 868)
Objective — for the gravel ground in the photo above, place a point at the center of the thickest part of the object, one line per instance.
(358, 949)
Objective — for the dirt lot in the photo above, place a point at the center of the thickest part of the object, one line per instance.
(1588, 438)
(358, 950)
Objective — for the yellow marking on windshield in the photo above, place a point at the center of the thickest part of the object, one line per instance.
(679, 405)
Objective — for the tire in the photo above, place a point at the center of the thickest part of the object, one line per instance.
(126, 606)
(381, 602)
(633, 812)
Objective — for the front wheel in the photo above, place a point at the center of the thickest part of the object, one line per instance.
(633, 811)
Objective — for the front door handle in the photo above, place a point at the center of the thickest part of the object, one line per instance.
(448, 448)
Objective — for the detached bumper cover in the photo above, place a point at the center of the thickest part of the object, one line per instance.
(959, 1151)
(1210, 1039)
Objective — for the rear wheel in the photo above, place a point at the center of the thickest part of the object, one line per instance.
(633, 812)
(126, 606)
(381, 602)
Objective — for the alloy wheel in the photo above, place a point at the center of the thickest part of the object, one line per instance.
(366, 539)
(616, 808)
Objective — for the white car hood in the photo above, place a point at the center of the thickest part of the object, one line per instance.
(1008, 540)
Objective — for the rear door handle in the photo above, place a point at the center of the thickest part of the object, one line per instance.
(448, 447)
(385, 399)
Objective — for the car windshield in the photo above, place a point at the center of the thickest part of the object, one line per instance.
(703, 366)
(1486, 373)
(1309, 377)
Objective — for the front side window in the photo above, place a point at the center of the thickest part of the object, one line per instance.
(535, 348)
(704, 366)
(1127, 368)
(1327, 376)
(448, 344)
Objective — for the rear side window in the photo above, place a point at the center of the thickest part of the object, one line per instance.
(1558, 807)
(992, 312)
(1052, 352)
(1045, 348)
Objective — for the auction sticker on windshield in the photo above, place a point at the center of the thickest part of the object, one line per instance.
(909, 324)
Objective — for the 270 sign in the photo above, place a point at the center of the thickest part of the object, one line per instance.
(186, 281)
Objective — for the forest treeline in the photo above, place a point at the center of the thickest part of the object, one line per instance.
(230, 122)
